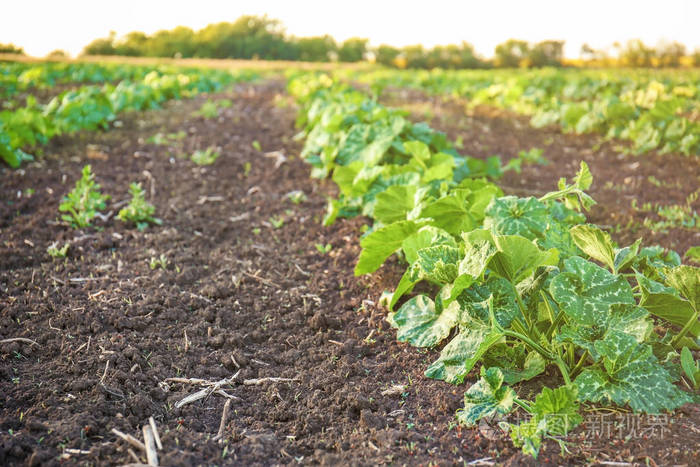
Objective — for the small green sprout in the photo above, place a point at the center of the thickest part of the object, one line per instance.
(297, 196)
(208, 110)
(84, 202)
(160, 262)
(323, 249)
(256, 145)
(138, 211)
(246, 169)
(277, 222)
(56, 252)
(206, 157)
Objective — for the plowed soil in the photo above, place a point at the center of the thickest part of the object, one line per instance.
(242, 293)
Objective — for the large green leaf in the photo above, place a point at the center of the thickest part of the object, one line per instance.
(382, 243)
(460, 355)
(451, 213)
(666, 303)
(438, 264)
(420, 323)
(425, 237)
(686, 279)
(517, 257)
(585, 291)
(510, 215)
(394, 203)
(585, 330)
(495, 295)
(486, 397)
(595, 243)
(630, 375)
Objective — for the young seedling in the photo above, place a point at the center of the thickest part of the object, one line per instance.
(84, 202)
(138, 211)
(206, 157)
(277, 222)
(56, 252)
(323, 249)
(246, 169)
(160, 262)
(208, 110)
(296, 196)
(256, 145)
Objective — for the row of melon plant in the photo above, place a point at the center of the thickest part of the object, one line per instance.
(519, 283)
(94, 107)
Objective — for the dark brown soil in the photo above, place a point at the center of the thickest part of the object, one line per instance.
(238, 296)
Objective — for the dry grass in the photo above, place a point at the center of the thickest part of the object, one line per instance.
(227, 64)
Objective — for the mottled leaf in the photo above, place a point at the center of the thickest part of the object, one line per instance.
(420, 323)
(631, 375)
(486, 397)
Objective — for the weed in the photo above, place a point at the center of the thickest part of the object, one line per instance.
(256, 145)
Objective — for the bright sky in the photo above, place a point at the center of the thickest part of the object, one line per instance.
(40, 26)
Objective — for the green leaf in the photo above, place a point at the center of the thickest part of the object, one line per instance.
(686, 279)
(665, 303)
(595, 243)
(495, 295)
(450, 213)
(559, 408)
(516, 363)
(425, 237)
(382, 243)
(585, 291)
(420, 324)
(418, 150)
(460, 355)
(693, 254)
(394, 203)
(621, 318)
(528, 436)
(438, 264)
(510, 215)
(486, 397)
(690, 367)
(630, 375)
(517, 258)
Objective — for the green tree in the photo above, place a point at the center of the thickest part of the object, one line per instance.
(101, 46)
(670, 53)
(316, 49)
(511, 53)
(134, 44)
(11, 49)
(353, 50)
(386, 55)
(636, 54)
(547, 53)
(414, 56)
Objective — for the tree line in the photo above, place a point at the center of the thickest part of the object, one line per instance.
(264, 38)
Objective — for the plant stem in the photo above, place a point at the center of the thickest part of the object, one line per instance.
(693, 319)
(579, 364)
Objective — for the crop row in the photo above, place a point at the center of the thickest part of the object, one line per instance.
(518, 283)
(652, 110)
(95, 107)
